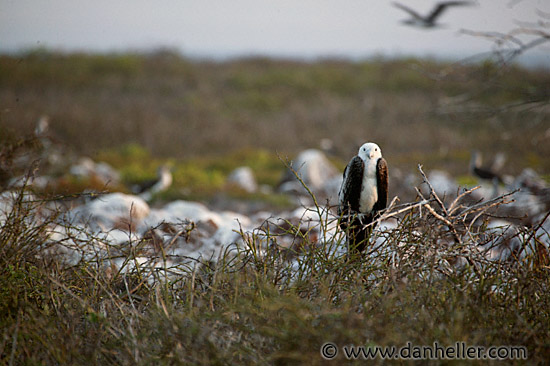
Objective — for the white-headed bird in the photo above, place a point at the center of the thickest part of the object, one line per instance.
(364, 192)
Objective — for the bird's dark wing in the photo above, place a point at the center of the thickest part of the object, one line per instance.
(487, 174)
(408, 10)
(382, 184)
(351, 186)
(441, 7)
(143, 186)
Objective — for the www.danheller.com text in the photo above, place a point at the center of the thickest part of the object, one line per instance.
(436, 351)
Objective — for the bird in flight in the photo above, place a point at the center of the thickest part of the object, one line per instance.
(430, 20)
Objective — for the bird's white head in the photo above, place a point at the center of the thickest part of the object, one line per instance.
(370, 151)
(164, 169)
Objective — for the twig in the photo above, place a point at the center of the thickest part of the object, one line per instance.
(536, 228)
(408, 207)
(452, 207)
(483, 204)
(432, 191)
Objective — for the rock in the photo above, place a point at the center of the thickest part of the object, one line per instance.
(39, 182)
(243, 178)
(501, 241)
(331, 188)
(110, 211)
(216, 228)
(186, 210)
(442, 183)
(23, 205)
(86, 168)
(315, 170)
(107, 173)
(529, 180)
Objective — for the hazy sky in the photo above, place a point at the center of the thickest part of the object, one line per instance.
(221, 28)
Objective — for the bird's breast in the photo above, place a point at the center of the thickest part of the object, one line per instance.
(369, 189)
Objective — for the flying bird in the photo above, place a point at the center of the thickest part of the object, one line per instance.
(429, 21)
(364, 192)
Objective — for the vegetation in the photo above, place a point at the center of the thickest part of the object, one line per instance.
(258, 303)
(253, 306)
(194, 178)
(177, 108)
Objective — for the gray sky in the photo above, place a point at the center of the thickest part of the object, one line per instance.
(223, 28)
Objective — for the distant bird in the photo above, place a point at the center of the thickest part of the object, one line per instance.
(148, 188)
(429, 21)
(42, 126)
(364, 192)
(42, 132)
(483, 173)
(327, 146)
(488, 174)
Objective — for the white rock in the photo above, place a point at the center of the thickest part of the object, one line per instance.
(243, 177)
(84, 168)
(12, 200)
(107, 173)
(187, 210)
(108, 211)
(543, 232)
(332, 188)
(315, 170)
(442, 183)
(503, 240)
(87, 168)
(40, 182)
(528, 179)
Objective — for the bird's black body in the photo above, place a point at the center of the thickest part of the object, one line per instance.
(430, 20)
(483, 172)
(144, 186)
(486, 174)
(353, 218)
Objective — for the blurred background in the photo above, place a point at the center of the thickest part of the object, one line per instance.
(354, 29)
(208, 86)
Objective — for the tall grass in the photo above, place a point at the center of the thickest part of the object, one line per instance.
(259, 302)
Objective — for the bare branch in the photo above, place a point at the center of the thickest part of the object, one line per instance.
(432, 191)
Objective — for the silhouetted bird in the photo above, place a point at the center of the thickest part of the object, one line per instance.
(429, 21)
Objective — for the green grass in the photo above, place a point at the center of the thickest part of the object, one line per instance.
(198, 177)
